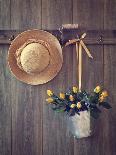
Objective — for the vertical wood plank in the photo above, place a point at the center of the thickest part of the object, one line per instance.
(55, 13)
(56, 137)
(5, 99)
(25, 14)
(4, 14)
(26, 99)
(110, 80)
(5, 104)
(89, 14)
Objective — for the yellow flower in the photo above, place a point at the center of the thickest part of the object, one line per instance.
(79, 105)
(75, 89)
(101, 99)
(104, 93)
(62, 95)
(97, 89)
(49, 92)
(49, 100)
(71, 98)
(73, 105)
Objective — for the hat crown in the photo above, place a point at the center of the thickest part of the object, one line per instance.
(34, 58)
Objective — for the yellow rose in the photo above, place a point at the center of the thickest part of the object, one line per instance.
(75, 89)
(73, 105)
(50, 100)
(71, 98)
(49, 92)
(97, 89)
(62, 96)
(79, 105)
(101, 99)
(104, 93)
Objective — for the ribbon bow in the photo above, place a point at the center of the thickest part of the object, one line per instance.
(79, 44)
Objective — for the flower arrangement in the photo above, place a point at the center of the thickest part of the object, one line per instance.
(74, 101)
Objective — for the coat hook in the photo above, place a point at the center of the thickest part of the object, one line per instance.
(61, 35)
(12, 38)
(100, 40)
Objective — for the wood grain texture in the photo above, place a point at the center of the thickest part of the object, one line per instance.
(25, 14)
(55, 13)
(26, 99)
(4, 14)
(87, 14)
(5, 105)
(5, 87)
(56, 137)
(28, 126)
(110, 80)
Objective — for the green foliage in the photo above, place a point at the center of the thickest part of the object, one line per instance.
(74, 103)
(94, 113)
(105, 105)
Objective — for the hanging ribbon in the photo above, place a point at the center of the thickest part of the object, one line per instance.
(79, 45)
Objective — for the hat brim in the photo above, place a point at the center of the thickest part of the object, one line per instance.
(56, 58)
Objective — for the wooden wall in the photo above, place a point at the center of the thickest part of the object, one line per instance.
(27, 125)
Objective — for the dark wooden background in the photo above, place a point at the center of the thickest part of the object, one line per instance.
(27, 125)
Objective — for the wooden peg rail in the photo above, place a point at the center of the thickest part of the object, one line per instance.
(93, 37)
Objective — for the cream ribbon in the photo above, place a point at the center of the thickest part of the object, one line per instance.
(79, 45)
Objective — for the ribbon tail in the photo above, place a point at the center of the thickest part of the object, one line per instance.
(77, 54)
(86, 49)
(80, 66)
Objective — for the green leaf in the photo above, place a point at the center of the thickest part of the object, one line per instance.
(58, 100)
(94, 99)
(105, 105)
(60, 110)
(95, 112)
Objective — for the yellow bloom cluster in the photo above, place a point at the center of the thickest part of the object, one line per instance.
(78, 105)
(71, 98)
(97, 89)
(75, 89)
(74, 101)
(49, 92)
(62, 96)
(50, 100)
(103, 95)
(73, 105)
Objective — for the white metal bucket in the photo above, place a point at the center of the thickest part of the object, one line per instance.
(80, 125)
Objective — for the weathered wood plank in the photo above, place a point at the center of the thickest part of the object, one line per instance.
(59, 10)
(5, 99)
(5, 104)
(4, 14)
(56, 138)
(26, 99)
(25, 14)
(86, 14)
(110, 80)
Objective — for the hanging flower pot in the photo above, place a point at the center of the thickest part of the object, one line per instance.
(79, 107)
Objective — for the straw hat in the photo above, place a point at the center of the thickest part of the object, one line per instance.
(35, 57)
